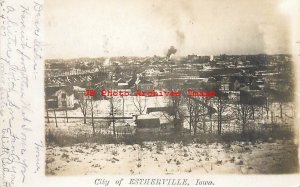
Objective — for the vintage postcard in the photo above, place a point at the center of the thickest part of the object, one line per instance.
(149, 93)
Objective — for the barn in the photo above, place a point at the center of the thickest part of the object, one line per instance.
(147, 126)
(59, 97)
(144, 85)
(253, 97)
(153, 126)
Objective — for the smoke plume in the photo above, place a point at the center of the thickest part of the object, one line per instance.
(171, 51)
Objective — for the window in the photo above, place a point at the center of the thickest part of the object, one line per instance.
(63, 96)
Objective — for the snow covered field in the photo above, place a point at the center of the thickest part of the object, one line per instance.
(276, 156)
(164, 158)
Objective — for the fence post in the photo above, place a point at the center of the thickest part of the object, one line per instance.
(47, 116)
(67, 115)
(55, 118)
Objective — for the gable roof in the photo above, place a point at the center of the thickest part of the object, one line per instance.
(142, 81)
(52, 90)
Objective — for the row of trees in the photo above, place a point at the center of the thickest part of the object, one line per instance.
(203, 111)
(87, 105)
(200, 112)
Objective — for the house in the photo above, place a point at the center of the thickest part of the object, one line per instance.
(166, 121)
(167, 109)
(252, 97)
(225, 83)
(236, 85)
(132, 81)
(238, 81)
(144, 85)
(201, 84)
(59, 97)
(78, 91)
(147, 121)
(153, 125)
(121, 84)
(147, 126)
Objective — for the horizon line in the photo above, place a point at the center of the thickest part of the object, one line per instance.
(268, 54)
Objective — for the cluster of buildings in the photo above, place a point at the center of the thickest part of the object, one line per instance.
(238, 78)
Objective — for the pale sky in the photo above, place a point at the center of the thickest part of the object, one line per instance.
(95, 28)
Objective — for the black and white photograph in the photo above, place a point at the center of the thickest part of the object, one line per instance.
(172, 87)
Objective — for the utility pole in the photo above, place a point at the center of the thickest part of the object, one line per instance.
(123, 109)
(47, 116)
(66, 110)
(92, 111)
(112, 112)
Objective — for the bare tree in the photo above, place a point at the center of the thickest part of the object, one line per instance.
(196, 114)
(190, 106)
(198, 108)
(139, 103)
(83, 103)
(268, 101)
(174, 104)
(244, 114)
(92, 103)
(113, 111)
(221, 105)
(177, 114)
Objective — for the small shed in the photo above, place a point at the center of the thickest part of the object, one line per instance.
(253, 97)
(60, 97)
(147, 121)
(144, 85)
(147, 126)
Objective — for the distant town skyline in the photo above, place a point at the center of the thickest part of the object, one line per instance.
(91, 28)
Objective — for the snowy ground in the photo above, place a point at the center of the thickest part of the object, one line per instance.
(102, 107)
(165, 158)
